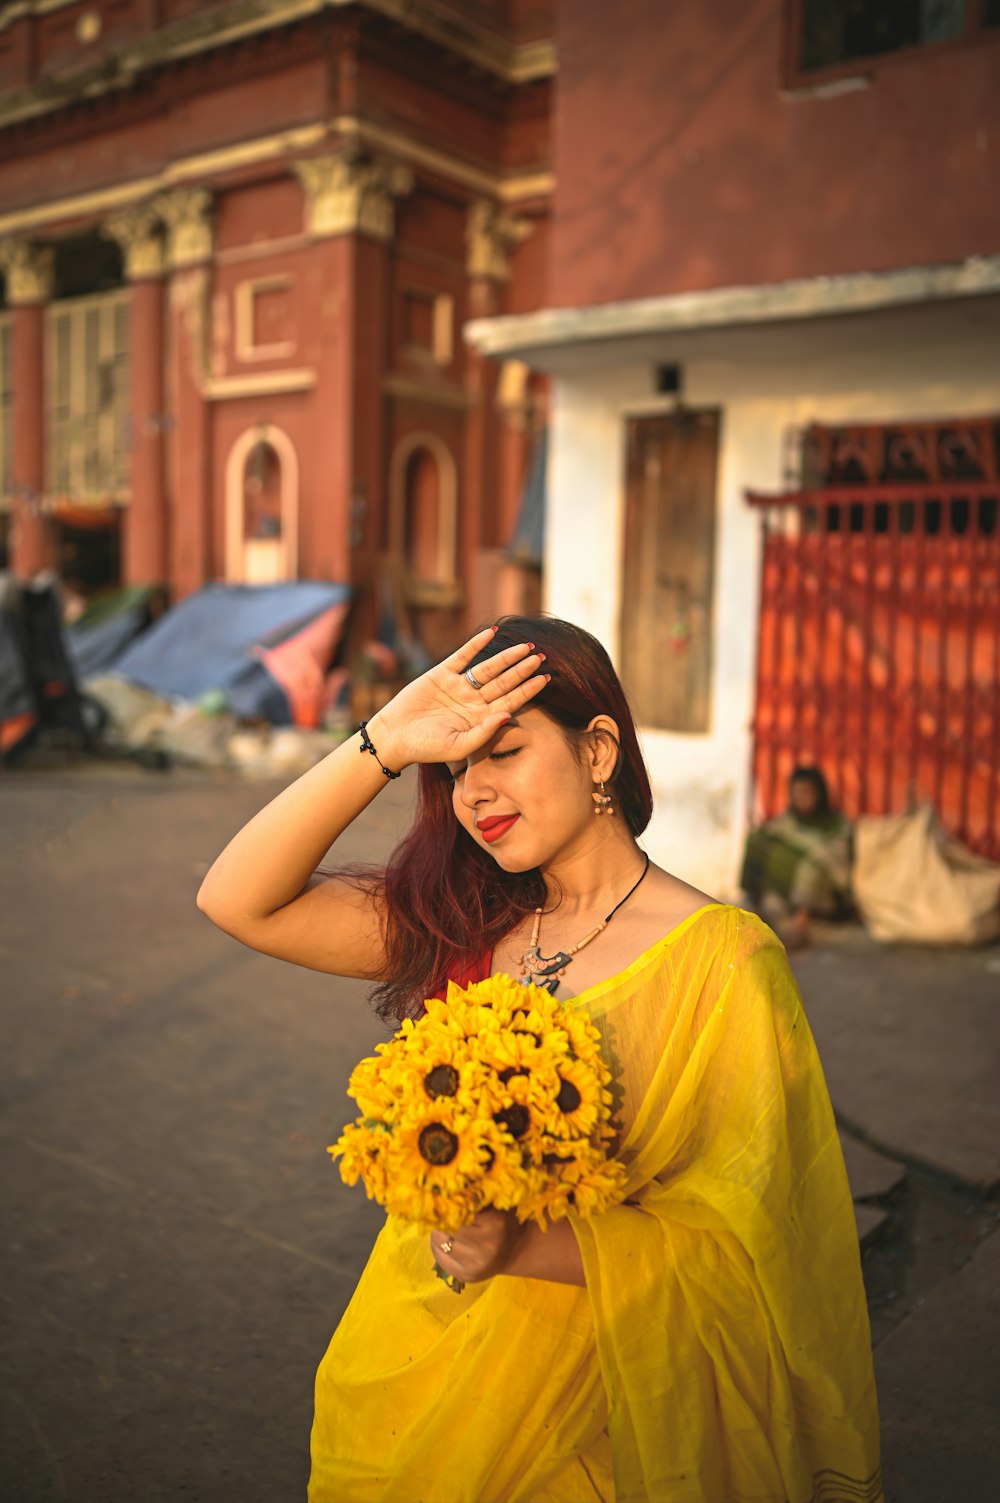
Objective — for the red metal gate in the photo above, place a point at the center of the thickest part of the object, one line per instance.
(879, 650)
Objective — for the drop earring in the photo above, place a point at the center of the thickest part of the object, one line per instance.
(602, 800)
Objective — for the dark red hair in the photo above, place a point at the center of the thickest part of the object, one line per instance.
(447, 901)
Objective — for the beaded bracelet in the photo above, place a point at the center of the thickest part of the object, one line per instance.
(366, 746)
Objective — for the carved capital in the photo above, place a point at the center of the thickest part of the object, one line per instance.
(139, 232)
(29, 271)
(513, 396)
(350, 193)
(187, 216)
(489, 236)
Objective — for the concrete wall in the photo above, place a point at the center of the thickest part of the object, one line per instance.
(914, 366)
(684, 161)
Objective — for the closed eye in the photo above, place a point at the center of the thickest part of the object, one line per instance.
(454, 773)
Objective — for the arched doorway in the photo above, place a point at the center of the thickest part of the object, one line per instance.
(262, 507)
(423, 520)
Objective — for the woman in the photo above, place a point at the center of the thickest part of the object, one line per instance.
(707, 1341)
(799, 864)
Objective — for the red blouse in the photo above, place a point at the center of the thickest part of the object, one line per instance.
(475, 970)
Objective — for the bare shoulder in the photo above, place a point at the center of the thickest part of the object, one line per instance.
(661, 903)
(669, 900)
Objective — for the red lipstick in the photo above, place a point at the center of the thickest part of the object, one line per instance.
(496, 825)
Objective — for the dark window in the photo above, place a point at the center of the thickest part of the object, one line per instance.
(85, 264)
(839, 31)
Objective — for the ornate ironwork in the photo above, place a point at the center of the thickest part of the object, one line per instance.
(879, 647)
(884, 454)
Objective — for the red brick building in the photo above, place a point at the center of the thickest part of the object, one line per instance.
(239, 242)
(721, 144)
(775, 268)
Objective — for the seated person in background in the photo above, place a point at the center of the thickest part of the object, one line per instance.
(799, 863)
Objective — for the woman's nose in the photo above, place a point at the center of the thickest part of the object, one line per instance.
(477, 785)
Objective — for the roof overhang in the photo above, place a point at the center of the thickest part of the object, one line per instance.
(554, 339)
(117, 68)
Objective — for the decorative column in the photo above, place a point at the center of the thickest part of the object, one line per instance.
(34, 539)
(518, 415)
(514, 410)
(352, 193)
(139, 232)
(350, 212)
(186, 215)
(490, 234)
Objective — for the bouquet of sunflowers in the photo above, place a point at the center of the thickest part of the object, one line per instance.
(496, 1097)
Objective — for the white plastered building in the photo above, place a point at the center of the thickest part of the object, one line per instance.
(916, 345)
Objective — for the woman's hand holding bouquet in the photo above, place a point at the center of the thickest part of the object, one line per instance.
(496, 1099)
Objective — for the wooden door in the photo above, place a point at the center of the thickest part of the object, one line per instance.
(669, 568)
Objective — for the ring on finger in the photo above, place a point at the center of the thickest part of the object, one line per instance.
(446, 1246)
(473, 680)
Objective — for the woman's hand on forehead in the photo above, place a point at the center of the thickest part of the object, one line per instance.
(453, 710)
(494, 744)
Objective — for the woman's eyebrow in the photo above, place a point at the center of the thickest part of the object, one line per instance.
(513, 724)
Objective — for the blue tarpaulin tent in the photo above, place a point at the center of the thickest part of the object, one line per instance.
(238, 639)
(110, 623)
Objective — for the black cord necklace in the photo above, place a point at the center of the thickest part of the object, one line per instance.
(545, 970)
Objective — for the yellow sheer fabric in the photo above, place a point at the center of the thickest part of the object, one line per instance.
(720, 1352)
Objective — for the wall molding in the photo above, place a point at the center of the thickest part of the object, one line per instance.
(409, 389)
(262, 384)
(278, 146)
(512, 62)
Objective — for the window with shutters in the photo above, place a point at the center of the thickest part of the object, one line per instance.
(669, 568)
(86, 377)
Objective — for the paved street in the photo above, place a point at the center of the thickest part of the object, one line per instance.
(909, 1041)
(177, 1247)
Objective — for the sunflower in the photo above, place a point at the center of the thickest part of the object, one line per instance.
(549, 1195)
(469, 1018)
(369, 1087)
(437, 1065)
(583, 1036)
(526, 1106)
(436, 1163)
(499, 998)
(497, 1096)
(597, 1187)
(537, 1021)
(503, 1175)
(579, 1179)
(576, 1106)
(509, 1057)
(363, 1151)
(514, 1051)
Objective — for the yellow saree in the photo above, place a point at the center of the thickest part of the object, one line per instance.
(720, 1352)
